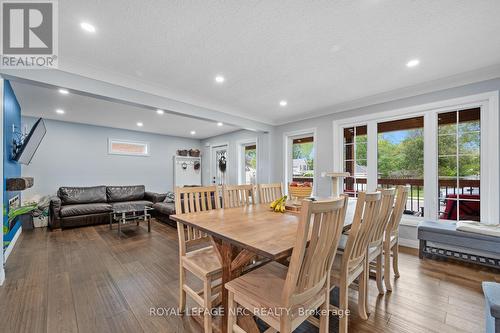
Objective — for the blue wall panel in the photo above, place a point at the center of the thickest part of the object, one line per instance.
(12, 117)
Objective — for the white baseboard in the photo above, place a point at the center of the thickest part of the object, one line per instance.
(2, 275)
(413, 243)
(9, 248)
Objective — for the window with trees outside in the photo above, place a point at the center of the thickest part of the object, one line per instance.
(459, 167)
(250, 164)
(355, 159)
(303, 159)
(400, 159)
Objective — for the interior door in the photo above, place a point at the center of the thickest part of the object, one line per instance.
(219, 154)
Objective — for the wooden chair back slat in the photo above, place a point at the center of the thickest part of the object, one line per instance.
(192, 200)
(318, 235)
(238, 195)
(386, 207)
(402, 193)
(367, 209)
(270, 192)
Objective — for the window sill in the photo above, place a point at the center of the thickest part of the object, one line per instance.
(411, 221)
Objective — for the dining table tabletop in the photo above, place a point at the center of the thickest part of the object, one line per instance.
(240, 234)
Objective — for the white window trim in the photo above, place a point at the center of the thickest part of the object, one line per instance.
(113, 140)
(241, 158)
(287, 166)
(489, 104)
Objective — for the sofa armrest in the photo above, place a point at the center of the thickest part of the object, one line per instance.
(54, 213)
(154, 197)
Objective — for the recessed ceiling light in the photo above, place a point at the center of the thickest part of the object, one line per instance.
(220, 79)
(283, 103)
(192, 132)
(220, 124)
(87, 27)
(160, 111)
(64, 91)
(413, 63)
(140, 124)
(60, 111)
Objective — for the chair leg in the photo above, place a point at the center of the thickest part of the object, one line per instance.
(285, 324)
(387, 268)
(231, 311)
(362, 294)
(182, 293)
(343, 306)
(379, 275)
(207, 300)
(395, 257)
(324, 316)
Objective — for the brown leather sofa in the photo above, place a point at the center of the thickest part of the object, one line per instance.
(80, 206)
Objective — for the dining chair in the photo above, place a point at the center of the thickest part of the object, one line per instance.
(270, 192)
(302, 287)
(238, 195)
(350, 263)
(203, 260)
(376, 242)
(391, 238)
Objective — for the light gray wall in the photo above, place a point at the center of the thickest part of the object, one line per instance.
(233, 140)
(324, 128)
(77, 155)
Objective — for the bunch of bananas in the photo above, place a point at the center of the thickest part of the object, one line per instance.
(278, 205)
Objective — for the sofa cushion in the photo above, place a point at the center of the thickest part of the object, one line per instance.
(82, 195)
(125, 193)
(85, 209)
(127, 206)
(166, 208)
(169, 197)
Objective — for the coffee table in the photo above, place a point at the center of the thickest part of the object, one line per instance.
(126, 215)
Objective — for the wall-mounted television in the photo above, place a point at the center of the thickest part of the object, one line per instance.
(30, 144)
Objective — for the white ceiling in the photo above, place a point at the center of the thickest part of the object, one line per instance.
(41, 101)
(315, 54)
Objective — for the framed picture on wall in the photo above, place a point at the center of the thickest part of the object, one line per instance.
(127, 147)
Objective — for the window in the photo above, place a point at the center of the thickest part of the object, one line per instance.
(303, 159)
(400, 159)
(445, 155)
(355, 159)
(250, 153)
(459, 172)
(123, 147)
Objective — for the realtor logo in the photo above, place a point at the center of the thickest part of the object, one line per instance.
(29, 34)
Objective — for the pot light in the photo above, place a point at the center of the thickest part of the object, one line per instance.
(192, 132)
(60, 111)
(160, 111)
(283, 103)
(220, 79)
(87, 27)
(220, 124)
(64, 91)
(413, 63)
(140, 124)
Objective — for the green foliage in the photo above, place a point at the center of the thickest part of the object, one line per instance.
(251, 158)
(404, 159)
(304, 151)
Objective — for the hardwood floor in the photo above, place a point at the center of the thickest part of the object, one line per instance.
(89, 280)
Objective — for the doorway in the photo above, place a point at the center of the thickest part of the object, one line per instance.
(219, 164)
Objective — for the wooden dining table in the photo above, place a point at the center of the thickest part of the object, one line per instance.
(240, 234)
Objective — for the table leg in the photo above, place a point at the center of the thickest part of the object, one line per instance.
(110, 221)
(149, 224)
(233, 262)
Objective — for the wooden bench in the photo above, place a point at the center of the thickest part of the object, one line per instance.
(467, 246)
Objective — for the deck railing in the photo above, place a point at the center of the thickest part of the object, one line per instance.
(415, 203)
